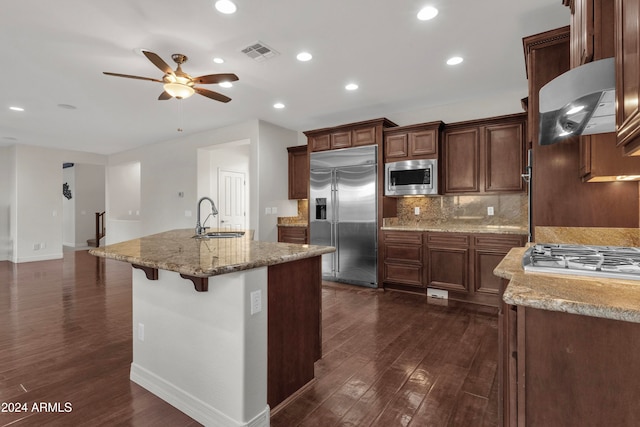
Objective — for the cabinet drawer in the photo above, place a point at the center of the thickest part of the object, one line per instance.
(403, 237)
(292, 235)
(406, 274)
(449, 239)
(498, 240)
(403, 253)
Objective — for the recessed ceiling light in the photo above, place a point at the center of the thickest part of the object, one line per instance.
(304, 56)
(351, 86)
(426, 13)
(218, 60)
(16, 108)
(454, 60)
(225, 6)
(226, 84)
(278, 105)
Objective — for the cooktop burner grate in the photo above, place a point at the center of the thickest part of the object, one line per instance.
(599, 261)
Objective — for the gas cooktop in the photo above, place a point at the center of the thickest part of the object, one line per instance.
(586, 260)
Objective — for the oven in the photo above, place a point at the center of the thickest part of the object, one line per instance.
(411, 178)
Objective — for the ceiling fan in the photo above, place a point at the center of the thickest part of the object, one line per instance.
(178, 84)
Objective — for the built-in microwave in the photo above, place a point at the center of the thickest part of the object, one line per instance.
(411, 178)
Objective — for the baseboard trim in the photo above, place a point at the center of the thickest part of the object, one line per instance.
(189, 404)
(37, 258)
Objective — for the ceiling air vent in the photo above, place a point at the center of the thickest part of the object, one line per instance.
(259, 52)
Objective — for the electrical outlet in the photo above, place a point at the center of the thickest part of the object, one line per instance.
(490, 210)
(141, 331)
(36, 246)
(256, 302)
(416, 210)
(43, 245)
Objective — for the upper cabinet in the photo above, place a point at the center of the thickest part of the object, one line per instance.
(592, 39)
(352, 135)
(419, 141)
(298, 172)
(484, 156)
(627, 48)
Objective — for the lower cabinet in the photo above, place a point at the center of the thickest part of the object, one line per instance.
(403, 259)
(460, 263)
(561, 369)
(289, 234)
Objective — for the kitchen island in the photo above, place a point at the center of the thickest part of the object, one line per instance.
(224, 329)
(569, 344)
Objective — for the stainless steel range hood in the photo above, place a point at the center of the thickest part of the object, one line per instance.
(579, 102)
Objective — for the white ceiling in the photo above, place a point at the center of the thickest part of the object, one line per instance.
(54, 52)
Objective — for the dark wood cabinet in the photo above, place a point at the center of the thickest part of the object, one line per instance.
(419, 141)
(488, 251)
(460, 263)
(585, 362)
(627, 57)
(447, 259)
(403, 258)
(559, 197)
(293, 234)
(298, 172)
(485, 156)
(349, 135)
(592, 39)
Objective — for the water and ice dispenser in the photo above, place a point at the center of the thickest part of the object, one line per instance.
(321, 208)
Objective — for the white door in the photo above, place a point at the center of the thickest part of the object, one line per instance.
(231, 197)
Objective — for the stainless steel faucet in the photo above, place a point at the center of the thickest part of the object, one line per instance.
(200, 228)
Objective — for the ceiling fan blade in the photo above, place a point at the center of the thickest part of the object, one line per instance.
(158, 62)
(211, 94)
(132, 77)
(215, 78)
(164, 96)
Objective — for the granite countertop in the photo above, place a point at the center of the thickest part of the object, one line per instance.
(461, 228)
(178, 251)
(597, 297)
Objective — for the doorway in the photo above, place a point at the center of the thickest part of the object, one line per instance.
(231, 197)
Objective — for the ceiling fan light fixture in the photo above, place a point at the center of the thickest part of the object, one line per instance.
(179, 90)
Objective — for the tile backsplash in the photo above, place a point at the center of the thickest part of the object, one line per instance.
(508, 209)
(303, 209)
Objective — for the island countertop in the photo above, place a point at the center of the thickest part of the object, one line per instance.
(616, 299)
(459, 228)
(179, 251)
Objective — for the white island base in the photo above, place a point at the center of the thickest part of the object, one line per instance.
(203, 352)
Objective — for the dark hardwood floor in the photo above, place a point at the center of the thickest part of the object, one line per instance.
(388, 358)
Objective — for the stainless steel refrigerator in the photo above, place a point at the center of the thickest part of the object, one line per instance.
(343, 213)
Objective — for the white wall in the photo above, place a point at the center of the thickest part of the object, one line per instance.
(171, 168)
(6, 173)
(36, 200)
(273, 186)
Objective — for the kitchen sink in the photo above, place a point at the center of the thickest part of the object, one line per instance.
(220, 235)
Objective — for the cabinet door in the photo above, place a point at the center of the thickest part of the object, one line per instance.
(396, 147)
(462, 161)
(341, 140)
(423, 143)
(448, 268)
(627, 14)
(292, 235)
(320, 143)
(298, 172)
(363, 136)
(504, 157)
